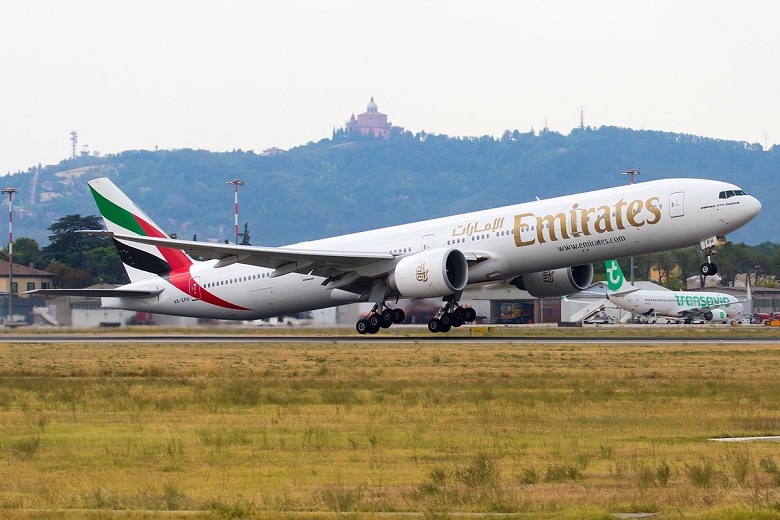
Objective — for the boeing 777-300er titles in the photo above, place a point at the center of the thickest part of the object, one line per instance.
(685, 305)
(546, 247)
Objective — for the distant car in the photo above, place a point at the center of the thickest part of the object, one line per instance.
(599, 320)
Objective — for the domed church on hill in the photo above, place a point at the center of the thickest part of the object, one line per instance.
(370, 122)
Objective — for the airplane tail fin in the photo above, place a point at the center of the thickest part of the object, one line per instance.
(615, 279)
(123, 217)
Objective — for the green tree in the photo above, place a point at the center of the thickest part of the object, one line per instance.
(689, 261)
(731, 261)
(69, 247)
(106, 265)
(26, 252)
(68, 277)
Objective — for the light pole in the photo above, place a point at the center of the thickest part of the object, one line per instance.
(10, 192)
(631, 172)
(236, 183)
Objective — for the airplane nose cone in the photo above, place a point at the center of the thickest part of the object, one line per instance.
(753, 207)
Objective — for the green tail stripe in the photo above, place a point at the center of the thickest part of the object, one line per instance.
(119, 216)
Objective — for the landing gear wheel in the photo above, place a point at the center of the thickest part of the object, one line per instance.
(398, 316)
(446, 320)
(708, 269)
(458, 316)
(434, 325)
(471, 315)
(374, 321)
(386, 318)
(362, 326)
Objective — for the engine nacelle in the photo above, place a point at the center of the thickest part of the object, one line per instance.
(715, 315)
(558, 282)
(430, 273)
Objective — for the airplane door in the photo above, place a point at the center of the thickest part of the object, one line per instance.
(195, 288)
(676, 208)
(427, 242)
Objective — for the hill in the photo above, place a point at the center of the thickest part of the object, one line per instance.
(337, 186)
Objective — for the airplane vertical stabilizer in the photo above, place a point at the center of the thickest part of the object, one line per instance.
(123, 217)
(615, 279)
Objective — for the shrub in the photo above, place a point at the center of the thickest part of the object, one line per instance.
(482, 472)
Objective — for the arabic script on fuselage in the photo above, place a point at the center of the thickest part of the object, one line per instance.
(474, 228)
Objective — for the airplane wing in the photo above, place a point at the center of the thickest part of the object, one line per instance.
(343, 269)
(282, 259)
(97, 293)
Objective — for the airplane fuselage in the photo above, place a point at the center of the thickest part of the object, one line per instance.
(510, 241)
(688, 304)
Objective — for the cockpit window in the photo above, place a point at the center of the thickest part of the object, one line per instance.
(731, 193)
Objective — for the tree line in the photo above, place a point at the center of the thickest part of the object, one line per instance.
(348, 184)
(75, 259)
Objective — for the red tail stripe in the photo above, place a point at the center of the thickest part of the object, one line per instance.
(175, 258)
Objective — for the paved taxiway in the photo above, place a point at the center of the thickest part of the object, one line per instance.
(710, 339)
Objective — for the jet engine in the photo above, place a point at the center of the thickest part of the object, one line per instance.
(430, 273)
(558, 282)
(715, 315)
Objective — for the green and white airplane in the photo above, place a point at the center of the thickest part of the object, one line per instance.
(546, 247)
(687, 305)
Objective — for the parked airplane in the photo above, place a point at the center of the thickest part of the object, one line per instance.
(686, 305)
(546, 247)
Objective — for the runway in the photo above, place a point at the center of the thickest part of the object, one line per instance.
(432, 339)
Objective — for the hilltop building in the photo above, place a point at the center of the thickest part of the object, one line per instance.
(370, 122)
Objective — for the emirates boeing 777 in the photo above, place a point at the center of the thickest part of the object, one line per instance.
(546, 247)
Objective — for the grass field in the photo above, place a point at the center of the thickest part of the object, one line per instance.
(303, 431)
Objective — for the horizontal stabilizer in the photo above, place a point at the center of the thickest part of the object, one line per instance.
(98, 293)
(622, 292)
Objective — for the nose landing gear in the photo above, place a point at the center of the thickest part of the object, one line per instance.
(708, 268)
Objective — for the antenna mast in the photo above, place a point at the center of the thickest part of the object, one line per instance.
(74, 138)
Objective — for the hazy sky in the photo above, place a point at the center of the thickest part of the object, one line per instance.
(230, 74)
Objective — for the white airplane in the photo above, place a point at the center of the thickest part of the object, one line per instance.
(685, 305)
(546, 247)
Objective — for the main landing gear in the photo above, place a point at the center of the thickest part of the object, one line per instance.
(452, 315)
(380, 317)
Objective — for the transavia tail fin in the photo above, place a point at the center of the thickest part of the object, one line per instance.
(123, 217)
(615, 279)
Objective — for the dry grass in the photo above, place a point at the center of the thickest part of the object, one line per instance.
(264, 430)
